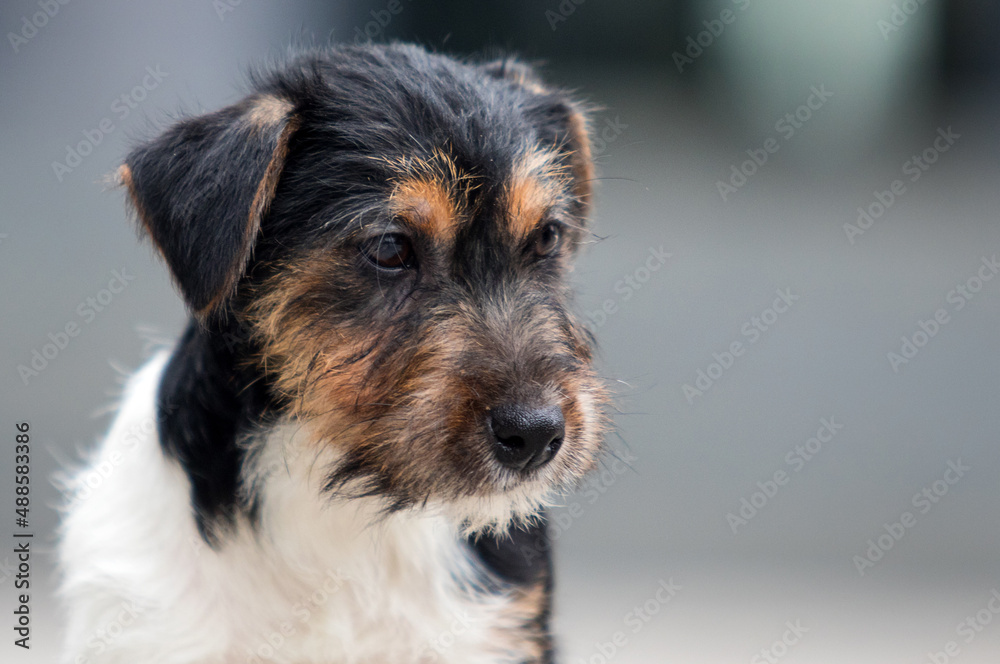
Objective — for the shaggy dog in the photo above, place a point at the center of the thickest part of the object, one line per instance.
(346, 456)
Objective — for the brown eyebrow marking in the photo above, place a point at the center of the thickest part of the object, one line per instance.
(429, 193)
(537, 183)
(428, 204)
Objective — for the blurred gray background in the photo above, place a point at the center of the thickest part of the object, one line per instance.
(691, 93)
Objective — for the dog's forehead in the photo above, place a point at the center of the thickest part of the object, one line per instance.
(438, 196)
(446, 143)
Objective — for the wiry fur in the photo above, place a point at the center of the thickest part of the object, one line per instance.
(327, 421)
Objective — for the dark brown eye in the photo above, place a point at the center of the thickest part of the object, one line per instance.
(392, 251)
(547, 239)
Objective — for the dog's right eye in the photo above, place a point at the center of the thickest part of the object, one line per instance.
(391, 251)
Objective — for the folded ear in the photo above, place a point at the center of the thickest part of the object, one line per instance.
(562, 118)
(201, 189)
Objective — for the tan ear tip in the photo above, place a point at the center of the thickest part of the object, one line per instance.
(122, 176)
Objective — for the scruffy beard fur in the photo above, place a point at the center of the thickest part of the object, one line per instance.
(405, 409)
(374, 246)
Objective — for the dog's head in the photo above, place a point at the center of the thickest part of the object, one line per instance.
(393, 230)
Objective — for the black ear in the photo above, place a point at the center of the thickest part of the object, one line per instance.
(564, 120)
(201, 189)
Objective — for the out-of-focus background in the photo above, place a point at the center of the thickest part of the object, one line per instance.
(797, 298)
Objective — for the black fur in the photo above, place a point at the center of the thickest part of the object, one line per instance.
(209, 399)
(521, 557)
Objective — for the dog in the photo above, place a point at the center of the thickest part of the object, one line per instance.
(347, 455)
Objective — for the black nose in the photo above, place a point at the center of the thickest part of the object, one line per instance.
(526, 437)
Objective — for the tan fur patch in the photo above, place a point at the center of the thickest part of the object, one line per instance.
(535, 185)
(428, 205)
(268, 110)
(582, 159)
(525, 606)
(528, 201)
(530, 85)
(312, 363)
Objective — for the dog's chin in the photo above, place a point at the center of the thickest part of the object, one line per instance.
(513, 504)
(494, 514)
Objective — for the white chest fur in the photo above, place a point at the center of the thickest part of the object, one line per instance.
(316, 581)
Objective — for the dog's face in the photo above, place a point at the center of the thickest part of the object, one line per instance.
(393, 231)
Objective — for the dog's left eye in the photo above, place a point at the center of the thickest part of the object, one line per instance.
(548, 239)
(392, 251)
